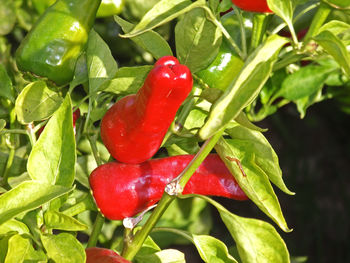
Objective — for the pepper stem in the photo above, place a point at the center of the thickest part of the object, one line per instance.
(130, 251)
(259, 29)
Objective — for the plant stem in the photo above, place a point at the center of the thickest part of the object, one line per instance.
(224, 31)
(14, 131)
(130, 251)
(96, 230)
(99, 221)
(259, 29)
(239, 16)
(318, 20)
(4, 182)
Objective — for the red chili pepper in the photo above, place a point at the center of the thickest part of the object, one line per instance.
(76, 115)
(103, 255)
(123, 190)
(133, 129)
(259, 6)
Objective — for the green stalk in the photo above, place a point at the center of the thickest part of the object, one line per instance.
(4, 181)
(259, 29)
(131, 250)
(99, 221)
(318, 20)
(213, 19)
(239, 16)
(96, 230)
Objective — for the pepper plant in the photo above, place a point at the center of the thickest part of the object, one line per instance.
(188, 80)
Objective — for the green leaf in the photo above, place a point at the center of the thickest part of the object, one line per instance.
(13, 225)
(57, 220)
(245, 88)
(150, 41)
(2, 124)
(243, 120)
(254, 181)
(100, 62)
(20, 250)
(197, 40)
(304, 103)
(128, 80)
(63, 248)
(212, 250)
(164, 256)
(5, 84)
(161, 13)
(284, 9)
(257, 241)
(52, 159)
(36, 102)
(80, 72)
(247, 142)
(334, 47)
(7, 16)
(27, 196)
(336, 27)
(304, 82)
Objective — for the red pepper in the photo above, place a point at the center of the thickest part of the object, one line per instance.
(123, 190)
(259, 6)
(133, 129)
(76, 115)
(103, 255)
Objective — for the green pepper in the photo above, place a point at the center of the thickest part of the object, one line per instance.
(107, 7)
(52, 46)
(110, 8)
(225, 67)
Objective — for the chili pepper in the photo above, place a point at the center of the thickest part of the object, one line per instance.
(123, 190)
(134, 127)
(76, 115)
(259, 6)
(222, 71)
(103, 255)
(52, 46)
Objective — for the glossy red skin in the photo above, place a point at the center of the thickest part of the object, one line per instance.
(76, 115)
(259, 6)
(134, 128)
(103, 255)
(123, 190)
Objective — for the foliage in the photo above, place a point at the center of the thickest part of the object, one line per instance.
(47, 212)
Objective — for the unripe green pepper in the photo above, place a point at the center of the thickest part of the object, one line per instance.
(107, 7)
(220, 73)
(110, 8)
(52, 46)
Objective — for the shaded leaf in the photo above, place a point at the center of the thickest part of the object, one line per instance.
(36, 102)
(20, 249)
(5, 83)
(100, 62)
(27, 196)
(63, 248)
(128, 80)
(52, 159)
(57, 220)
(333, 46)
(161, 13)
(150, 41)
(197, 40)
